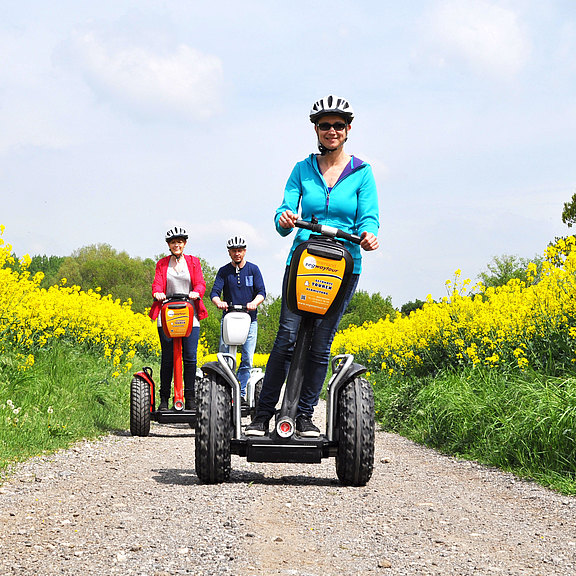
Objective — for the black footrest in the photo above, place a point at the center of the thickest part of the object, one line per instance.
(174, 416)
(267, 449)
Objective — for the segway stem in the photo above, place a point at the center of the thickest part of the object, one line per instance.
(296, 374)
(178, 374)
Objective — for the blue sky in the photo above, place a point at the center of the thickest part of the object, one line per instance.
(119, 119)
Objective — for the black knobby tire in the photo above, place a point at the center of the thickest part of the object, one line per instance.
(355, 433)
(139, 407)
(213, 430)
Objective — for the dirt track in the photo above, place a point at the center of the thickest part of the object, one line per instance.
(127, 505)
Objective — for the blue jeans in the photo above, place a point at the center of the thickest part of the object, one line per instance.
(189, 350)
(246, 355)
(316, 361)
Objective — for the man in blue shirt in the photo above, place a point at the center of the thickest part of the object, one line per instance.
(240, 282)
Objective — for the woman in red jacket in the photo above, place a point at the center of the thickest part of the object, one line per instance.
(178, 274)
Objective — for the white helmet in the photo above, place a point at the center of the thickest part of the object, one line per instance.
(236, 242)
(176, 232)
(332, 105)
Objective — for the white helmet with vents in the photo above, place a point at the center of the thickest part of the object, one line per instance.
(176, 232)
(332, 105)
(236, 242)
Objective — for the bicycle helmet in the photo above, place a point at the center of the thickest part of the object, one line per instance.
(236, 242)
(332, 105)
(176, 232)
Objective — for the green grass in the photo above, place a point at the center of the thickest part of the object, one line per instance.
(66, 396)
(524, 423)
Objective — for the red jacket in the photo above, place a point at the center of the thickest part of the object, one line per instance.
(198, 285)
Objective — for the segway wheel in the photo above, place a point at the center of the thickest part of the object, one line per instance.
(355, 430)
(213, 430)
(139, 407)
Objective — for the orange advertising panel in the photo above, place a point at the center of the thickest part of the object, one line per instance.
(318, 280)
(177, 320)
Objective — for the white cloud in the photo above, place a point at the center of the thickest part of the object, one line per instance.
(486, 36)
(218, 232)
(183, 83)
(26, 124)
(566, 48)
(380, 168)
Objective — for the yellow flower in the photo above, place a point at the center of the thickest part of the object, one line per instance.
(509, 325)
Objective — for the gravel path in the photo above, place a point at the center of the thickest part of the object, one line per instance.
(133, 506)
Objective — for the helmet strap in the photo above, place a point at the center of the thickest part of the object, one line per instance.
(323, 150)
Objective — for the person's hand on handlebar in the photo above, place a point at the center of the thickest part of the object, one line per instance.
(255, 303)
(287, 219)
(369, 241)
(159, 296)
(194, 295)
(219, 304)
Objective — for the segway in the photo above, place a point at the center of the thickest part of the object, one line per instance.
(177, 314)
(235, 327)
(319, 274)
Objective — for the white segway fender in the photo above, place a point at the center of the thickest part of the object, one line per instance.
(256, 377)
(344, 369)
(222, 369)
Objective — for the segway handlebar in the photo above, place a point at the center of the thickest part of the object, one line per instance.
(236, 307)
(176, 298)
(329, 231)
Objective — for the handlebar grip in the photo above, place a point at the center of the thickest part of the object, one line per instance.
(350, 237)
(307, 225)
(328, 231)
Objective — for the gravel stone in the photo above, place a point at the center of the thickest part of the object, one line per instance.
(133, 506)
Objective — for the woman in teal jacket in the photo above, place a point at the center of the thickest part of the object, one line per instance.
(339, 190)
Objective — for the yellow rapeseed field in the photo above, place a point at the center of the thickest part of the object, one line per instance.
(30, 317)
(515, 325)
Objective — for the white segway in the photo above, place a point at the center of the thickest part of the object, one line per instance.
(235, 328)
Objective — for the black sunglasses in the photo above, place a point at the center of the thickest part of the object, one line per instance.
(325, 126)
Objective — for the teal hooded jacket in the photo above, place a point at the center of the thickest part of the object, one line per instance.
(351, 204)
